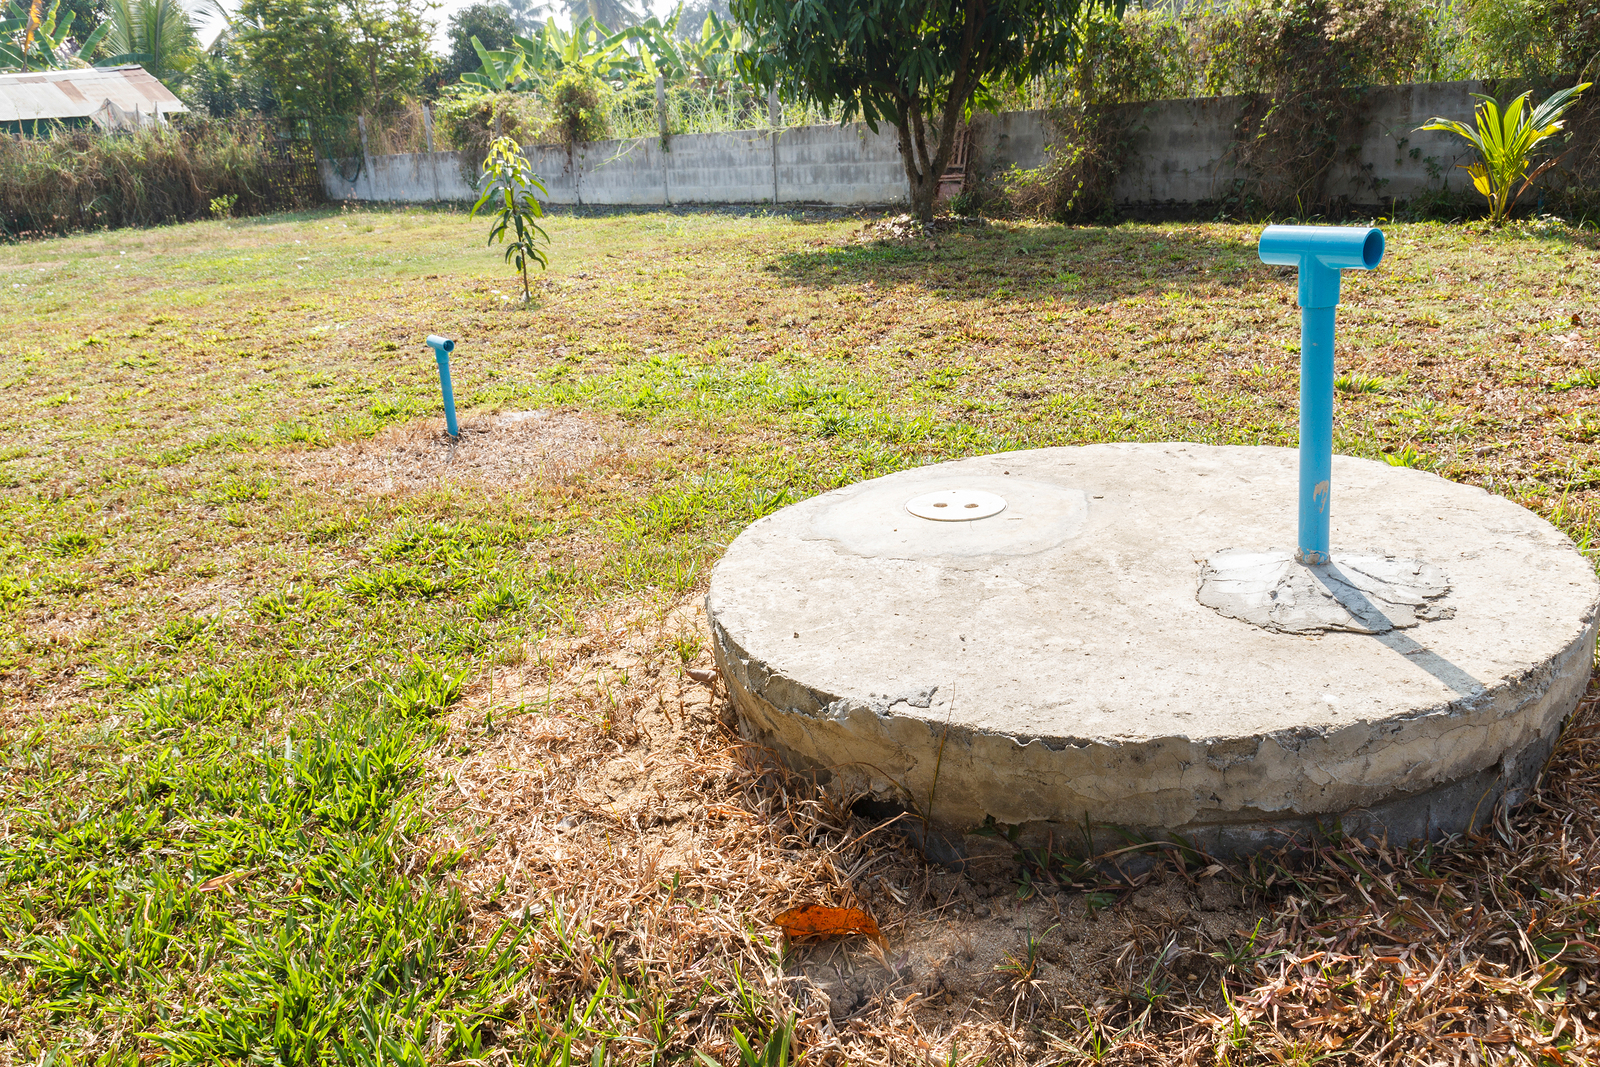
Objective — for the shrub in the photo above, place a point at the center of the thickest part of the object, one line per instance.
(82, 180)
(578, 104)
(1305, 65)
(466, 122)
(1144, 55)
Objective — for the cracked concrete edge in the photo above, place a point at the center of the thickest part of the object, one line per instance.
(1417, 775)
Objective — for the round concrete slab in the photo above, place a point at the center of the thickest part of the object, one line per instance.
(1051, 665)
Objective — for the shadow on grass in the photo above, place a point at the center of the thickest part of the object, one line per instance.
(1091, 264)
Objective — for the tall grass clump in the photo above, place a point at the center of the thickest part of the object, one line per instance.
(85, 180)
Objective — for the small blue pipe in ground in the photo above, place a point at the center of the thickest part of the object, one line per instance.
(442, 347)
(1320, 253)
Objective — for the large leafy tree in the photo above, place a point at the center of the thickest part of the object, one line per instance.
(616, 14)
(303, 49)
(389, 39)
(336, 57)
(916, 63)
(222, 81)
(529, 15)
(492, 24)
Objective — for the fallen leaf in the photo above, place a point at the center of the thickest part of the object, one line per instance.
(820, 922)
(221, 881)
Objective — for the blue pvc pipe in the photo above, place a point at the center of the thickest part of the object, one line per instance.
(1316, 431)
(1319, 253)
(442, 347)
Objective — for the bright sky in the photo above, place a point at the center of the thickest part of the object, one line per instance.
(209, 29)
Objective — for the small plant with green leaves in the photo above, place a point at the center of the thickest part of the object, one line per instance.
(1359, 383)
(222, 206)
(773, 1052)
(1021, 971)
(1406, 457)
(509, 192)
(1506, 139)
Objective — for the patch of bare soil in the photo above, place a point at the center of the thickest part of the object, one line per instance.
(504, 449)
(909, 228)
(603, 798)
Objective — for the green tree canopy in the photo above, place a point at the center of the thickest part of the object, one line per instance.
(337, 57)
(389, 39)
(157, 34)
(529, 15)
(909, 62)
(490, 23)
(617, 14)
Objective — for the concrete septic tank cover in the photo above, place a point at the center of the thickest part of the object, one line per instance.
(1102, 647)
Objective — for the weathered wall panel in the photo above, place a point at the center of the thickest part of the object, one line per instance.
(1184, 155)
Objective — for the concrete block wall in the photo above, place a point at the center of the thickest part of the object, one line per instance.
(412, 177)
(733, 167)
(844, 166)
(614, 172)
(1183, 155)
(1011, 139)
(1183, 150)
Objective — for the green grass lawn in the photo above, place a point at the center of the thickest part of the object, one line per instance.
(238, 681)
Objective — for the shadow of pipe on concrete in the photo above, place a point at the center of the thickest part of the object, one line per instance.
(1353, 600)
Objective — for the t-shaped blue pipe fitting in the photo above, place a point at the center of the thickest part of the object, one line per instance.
(1320, 253)
(442, 347)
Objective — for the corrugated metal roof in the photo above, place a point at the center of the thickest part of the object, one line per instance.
(77, 94)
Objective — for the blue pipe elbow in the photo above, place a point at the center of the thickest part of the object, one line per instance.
(442, 347)
(1320, 253)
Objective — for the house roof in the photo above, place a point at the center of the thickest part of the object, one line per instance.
(79, 93)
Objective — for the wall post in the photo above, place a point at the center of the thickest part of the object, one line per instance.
(366, 155)
(427, 136)
(666, 136)
(775, 120)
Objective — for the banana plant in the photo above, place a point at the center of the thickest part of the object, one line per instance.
(714, 58)
(709, 62)
(502, 70)
(1505, 139)
(30, 39)
(592, 47)
(660, 51)
(531, 61)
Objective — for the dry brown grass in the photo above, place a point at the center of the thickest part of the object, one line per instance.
(604, 797)
(506, 450)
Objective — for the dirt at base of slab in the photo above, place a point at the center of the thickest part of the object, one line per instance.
(503, 449)
(601, 793)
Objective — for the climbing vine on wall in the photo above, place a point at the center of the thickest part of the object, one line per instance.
(1304, 66)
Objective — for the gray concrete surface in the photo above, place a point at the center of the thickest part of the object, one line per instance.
(1052, 664)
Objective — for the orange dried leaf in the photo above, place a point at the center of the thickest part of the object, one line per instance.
(820, 922)
(221, 881)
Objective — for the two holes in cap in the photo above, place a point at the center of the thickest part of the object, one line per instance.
(956, 505)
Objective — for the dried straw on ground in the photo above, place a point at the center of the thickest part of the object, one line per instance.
(607, 803)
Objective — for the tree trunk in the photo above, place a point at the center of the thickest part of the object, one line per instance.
(923, 170)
